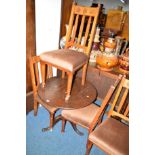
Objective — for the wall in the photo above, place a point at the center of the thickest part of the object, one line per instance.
(108, 4)
(48, 16)
(48, 13)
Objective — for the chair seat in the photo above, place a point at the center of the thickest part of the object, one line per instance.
(83, 116)
(112, 137)
(67, 59)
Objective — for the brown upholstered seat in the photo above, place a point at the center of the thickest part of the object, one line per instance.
(112, 136)
(83, 116)
(65, 58)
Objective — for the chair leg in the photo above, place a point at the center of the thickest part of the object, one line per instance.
(43, 68)
(63, 125)
(101, 118)
(84, 70)
(69, 85)
(51, 120)
(35, 107)
(51, 123)
(100, 121)
(63, 74)
(88, 147)
(49, 72)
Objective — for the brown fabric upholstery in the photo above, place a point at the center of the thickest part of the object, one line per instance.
(111, 136)
(65, 58)
(83, 116)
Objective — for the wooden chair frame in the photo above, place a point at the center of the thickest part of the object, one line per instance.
(98, 118)
(34, 70)
(121, 111)
(76, 12)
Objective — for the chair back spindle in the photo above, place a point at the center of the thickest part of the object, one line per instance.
(122, 110)
(82, 26)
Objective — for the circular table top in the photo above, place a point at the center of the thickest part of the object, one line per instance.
(54, 93)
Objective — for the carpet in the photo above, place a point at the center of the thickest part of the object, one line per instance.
(54, 142)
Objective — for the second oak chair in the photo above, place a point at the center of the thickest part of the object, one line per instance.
(112, 135)
(85, 116)
(36, 81)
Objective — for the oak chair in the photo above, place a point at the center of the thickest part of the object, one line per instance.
(80, 35)
(36, 80)
(85, 116)
(112, 135)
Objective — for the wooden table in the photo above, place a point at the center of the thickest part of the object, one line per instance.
(54, 95)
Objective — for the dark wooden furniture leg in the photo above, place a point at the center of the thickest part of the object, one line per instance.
(56, 120)
(89, 146)
(35, 107)
(63, 125)
(53, 121)
(73, 126)
(76, 129)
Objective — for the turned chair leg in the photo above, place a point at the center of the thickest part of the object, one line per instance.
(43, 73)
(51, 120)
(63, 74)
(49, 72)
(35, 107)
(69, 85)
(88, 147)
(84, 70)
(63, 125)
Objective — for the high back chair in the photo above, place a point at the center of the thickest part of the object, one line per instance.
(81, 31)
(36, 80)
(85, 116)
(112, 135)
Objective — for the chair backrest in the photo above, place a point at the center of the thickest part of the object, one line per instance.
(119, 107)
(82, 27)
(105, 102)
(115, 19)
(36, 74)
